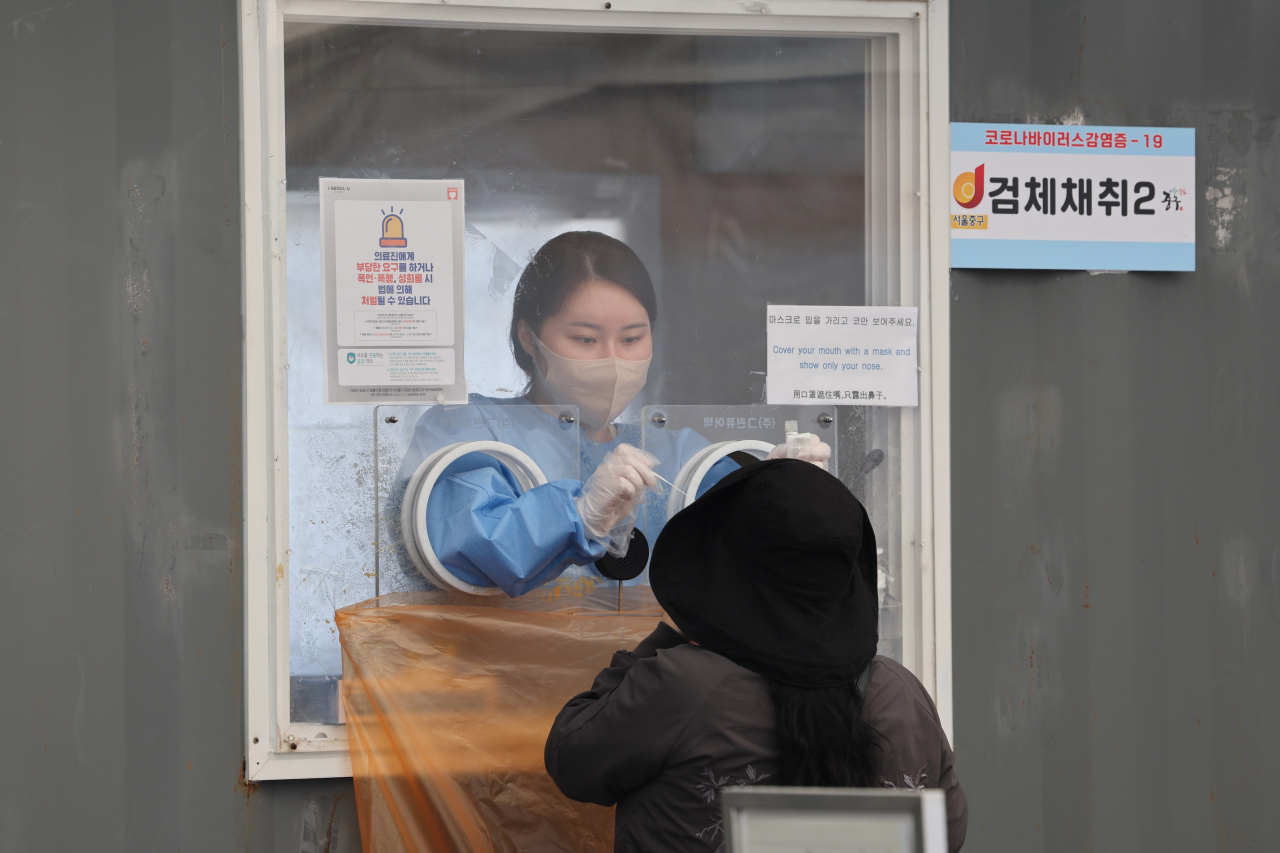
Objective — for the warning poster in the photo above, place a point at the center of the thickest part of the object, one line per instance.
(392, 268)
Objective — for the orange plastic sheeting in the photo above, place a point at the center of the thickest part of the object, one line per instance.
(449, 699)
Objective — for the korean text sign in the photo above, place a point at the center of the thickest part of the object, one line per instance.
(1072, 197)
(851, 355)
(392, 269)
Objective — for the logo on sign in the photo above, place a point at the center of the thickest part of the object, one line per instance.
(453, 193)
(392, 230)
(351, 358)
(968, 188)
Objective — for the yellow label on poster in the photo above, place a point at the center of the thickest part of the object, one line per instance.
(969, 220)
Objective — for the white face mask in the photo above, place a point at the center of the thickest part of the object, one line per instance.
(600, 387)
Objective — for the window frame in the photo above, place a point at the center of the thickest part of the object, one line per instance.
(914, 178)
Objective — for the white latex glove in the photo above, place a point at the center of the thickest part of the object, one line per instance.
(610, 499)
(804, 446)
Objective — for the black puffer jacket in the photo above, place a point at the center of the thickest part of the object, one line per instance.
(665, 727)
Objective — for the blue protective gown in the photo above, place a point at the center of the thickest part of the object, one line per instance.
(485, 530)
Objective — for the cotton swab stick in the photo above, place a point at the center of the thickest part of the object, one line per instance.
(670, 483)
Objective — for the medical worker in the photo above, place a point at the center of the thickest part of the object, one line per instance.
(582, 331)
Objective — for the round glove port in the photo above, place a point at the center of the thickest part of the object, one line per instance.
(689, 480)
(413, 512)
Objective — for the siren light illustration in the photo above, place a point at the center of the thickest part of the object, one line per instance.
(968, 187)
(392, 230)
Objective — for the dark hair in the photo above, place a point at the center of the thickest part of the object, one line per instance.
(560, 266)
(823, 738)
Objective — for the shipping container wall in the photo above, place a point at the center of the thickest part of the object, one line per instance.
(121, 566)
(1116, 479)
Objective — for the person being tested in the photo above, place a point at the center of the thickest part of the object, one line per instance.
(582, 331)
(764, 671)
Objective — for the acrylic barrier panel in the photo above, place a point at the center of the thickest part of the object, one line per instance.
(697, 445)
(413, 438)
(733, 165)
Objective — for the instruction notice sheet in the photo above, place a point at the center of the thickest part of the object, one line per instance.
(854, 355)
(392, 265)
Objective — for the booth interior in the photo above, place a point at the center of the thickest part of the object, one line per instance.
(733, 166)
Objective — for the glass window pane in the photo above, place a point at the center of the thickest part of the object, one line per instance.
(733, 166)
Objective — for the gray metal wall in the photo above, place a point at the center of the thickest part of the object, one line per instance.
(1117, 568)
(120, 473)
(1117, 458)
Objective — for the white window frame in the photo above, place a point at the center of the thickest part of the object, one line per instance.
(918, 176)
